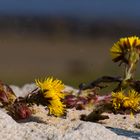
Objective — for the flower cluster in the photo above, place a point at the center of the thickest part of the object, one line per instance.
(122, 101)
(52, 92)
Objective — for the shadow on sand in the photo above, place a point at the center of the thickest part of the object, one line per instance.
(126, 133)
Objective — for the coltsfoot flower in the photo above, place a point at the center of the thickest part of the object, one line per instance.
(52, 92)
(130, 101)
(117, 99)
(122, 49)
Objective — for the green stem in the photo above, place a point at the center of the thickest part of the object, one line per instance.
(130, 69)
(129, 72)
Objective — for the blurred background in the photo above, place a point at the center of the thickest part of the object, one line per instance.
(69, 40)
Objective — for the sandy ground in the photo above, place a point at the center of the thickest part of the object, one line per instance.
(116, 121)
(122, 125)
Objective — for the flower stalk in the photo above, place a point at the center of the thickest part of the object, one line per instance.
(126, 96)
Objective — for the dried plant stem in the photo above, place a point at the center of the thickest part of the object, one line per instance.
(122, 84)
(96, 114)
(103, 79)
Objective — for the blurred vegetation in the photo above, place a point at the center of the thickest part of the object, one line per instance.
(70, 49)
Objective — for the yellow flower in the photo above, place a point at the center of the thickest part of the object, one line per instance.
(52, 91)
(117, 99)
(56, 107)
(50, 84)
(130, 101)
(123, 47)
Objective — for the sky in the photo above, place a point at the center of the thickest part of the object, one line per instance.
(75, 8)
